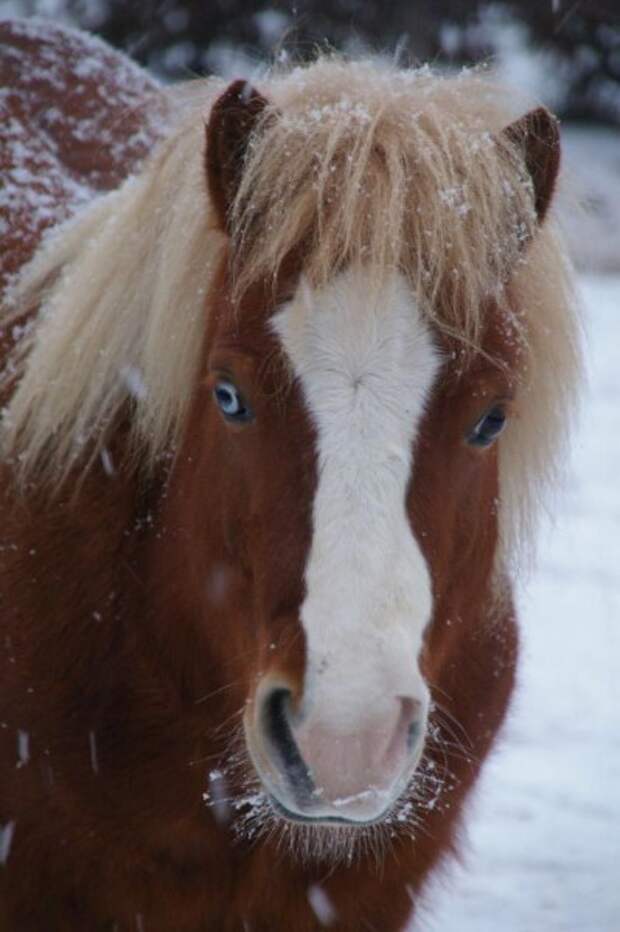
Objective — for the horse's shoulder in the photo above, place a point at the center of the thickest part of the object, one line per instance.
(77, 118)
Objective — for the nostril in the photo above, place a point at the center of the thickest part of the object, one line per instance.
(408, 727)
(276, 724)
(275, 716)
(413, 734)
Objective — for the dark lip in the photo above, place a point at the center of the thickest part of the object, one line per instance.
(278, 807)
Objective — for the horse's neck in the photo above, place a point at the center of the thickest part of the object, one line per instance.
(63, 569)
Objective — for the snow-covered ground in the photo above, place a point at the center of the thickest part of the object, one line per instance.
(543, 850)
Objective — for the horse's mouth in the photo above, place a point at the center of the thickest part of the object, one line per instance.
(322, 819)
(294, 797)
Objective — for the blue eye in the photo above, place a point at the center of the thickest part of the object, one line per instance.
(488, 427)
(230, 402)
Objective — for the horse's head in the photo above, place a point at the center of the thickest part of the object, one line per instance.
(346, 446)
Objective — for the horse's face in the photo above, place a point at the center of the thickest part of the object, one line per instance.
(355, 484)
(319, 446)
(355, 499)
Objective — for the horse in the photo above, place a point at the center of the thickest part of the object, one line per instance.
(288, 368)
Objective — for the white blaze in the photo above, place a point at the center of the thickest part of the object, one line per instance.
(366, 366)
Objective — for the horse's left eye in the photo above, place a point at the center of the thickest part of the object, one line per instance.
(230, 402)
(488, 427)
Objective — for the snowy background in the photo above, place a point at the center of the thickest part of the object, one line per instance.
(542, 846)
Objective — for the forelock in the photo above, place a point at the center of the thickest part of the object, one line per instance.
(399, 171)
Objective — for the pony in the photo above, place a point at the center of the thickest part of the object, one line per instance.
(287, 375)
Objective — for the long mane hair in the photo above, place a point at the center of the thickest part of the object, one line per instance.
(351, 162)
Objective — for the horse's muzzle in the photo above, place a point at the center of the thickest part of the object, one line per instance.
(313, 772)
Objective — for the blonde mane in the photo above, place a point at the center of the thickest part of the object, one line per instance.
(351, 162)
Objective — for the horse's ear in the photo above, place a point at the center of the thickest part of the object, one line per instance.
(537, 136)
(232, 119)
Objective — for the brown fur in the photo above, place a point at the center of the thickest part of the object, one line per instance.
(137, 611)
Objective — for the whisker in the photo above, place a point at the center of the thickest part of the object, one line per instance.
(215, 692)
(453, 719)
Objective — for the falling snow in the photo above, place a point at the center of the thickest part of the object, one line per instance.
(107, 462)
(134, 381)
(92, 745)
(23, 748)
(321, 905)
(6, 840)
(217, 797)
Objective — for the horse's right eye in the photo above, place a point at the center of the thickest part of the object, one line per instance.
(230, 402)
